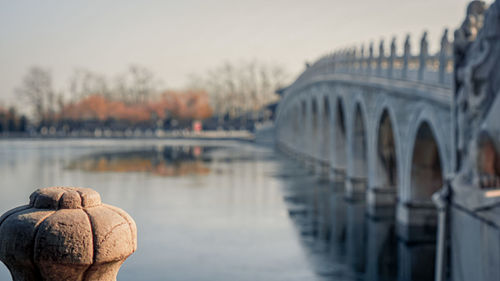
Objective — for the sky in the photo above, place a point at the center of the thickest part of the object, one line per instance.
(178, 38)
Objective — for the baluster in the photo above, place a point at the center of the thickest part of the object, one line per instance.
(370, 58)
(443, 55)
(353, 59)
(380, 57)
(362, 59)
(406, 57)
(390, 68)
(424, 52)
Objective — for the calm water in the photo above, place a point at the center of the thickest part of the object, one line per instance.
(217, 211)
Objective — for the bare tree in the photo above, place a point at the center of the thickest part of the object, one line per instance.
(37, 89)
(84, 83)
(137, 85)
(241, 87)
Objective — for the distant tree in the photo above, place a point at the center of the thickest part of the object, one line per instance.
(12, 120)
(137, 85)
(3, 118)
(23, 124)
(235, 88)
(85, 82)
(37, 89)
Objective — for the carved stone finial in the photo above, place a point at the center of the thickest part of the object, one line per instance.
(407, 45)
(424, 45)
(393, 47)
(445, 42)
(381, 48)
(392, 55)
(66, 233)
(424, 51)
(406, 56)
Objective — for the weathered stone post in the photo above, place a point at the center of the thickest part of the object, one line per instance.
(362, 59)
(381, 57)
(406, 57)
(370, 58)
(444, 54)
(392, 56)
(424, 52)
(66, 233)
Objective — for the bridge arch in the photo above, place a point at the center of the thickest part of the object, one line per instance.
(340, 134)
(325, 128)
(359, 144)
(303, 124)
(315, 142)
(387, 160)
(427, 174)
(427, 143)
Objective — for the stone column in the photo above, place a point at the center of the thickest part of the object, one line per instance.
(66, 233)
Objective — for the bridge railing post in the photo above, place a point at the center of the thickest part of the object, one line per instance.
(390, 66)
(361, 60)
(381, 57)
(370, 58)
(444, 54)
(406, 57)
(66, 233)
(424, 53)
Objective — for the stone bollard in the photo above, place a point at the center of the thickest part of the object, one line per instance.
(66, 233)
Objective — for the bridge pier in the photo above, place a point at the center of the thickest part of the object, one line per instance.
(337, 175)
(381, 202)
(355, 189)
(355, 233)
(417, 221)
(416, 261)
(381, 249)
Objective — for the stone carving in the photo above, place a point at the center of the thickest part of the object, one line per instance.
(477, 85)
(66, 234)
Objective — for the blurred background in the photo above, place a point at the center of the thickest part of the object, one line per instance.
(166, 108)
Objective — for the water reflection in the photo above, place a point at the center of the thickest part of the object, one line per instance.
(167, 161)
(236, 227)
(346, 244)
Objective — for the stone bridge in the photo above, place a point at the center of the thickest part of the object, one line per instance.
(379, 123)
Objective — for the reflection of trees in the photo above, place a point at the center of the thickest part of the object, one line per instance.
(169, 162)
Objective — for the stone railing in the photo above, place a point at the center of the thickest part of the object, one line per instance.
(426, 68)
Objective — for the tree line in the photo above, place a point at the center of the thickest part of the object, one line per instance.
(138, 98)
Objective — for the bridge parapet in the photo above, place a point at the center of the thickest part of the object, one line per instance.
(426, 68)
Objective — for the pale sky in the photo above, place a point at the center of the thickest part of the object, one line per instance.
(178, 38)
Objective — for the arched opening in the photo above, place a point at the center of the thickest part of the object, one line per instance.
(314, 115)
(296, 121)
(302, 123)
(315, 130)
(340, 140)
(426, 171)
(359, 147)
(419, 214)
(325, 146)
(387, 171)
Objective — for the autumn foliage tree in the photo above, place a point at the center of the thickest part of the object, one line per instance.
(186, 105)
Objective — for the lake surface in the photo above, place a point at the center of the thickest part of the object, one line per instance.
(216, 210)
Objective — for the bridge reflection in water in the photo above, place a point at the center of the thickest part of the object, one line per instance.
(343, 241)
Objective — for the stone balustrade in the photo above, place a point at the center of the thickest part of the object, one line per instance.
(424, 67)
